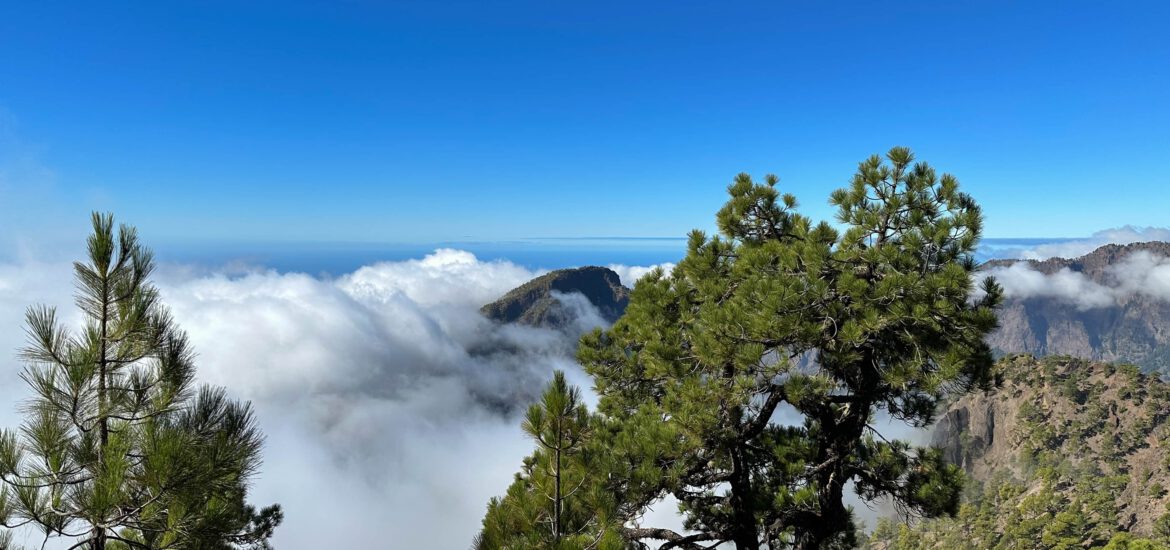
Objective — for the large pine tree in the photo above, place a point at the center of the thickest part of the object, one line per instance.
(746, 382)
(118, 448)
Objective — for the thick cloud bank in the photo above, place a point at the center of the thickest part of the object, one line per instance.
(1139, 274)
(390, 405)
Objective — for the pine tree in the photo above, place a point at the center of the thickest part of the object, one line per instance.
(118, 449)
(555, 502)
(558, 425)
(779, 317)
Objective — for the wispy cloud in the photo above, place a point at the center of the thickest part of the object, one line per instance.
(1139, 274)
(629, 274)
(1073, 248)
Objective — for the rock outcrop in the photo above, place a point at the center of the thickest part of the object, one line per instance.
(1058, 423)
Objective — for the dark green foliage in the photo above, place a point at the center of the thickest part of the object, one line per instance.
(1162, 527)
(836, 325)
(118, 449)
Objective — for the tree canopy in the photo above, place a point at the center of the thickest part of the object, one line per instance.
(746, 382)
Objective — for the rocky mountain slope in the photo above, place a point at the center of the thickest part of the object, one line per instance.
(1067, 453)
(1131, 326)
(543, 300)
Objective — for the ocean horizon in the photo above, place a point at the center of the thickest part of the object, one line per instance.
(331, 259)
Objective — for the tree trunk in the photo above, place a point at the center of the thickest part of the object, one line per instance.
(99, 542)
(840, 443)
(831, 519)
(557, 502)
(744, 535)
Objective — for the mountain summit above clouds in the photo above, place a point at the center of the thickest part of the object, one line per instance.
(1112, 304)
(543, 301)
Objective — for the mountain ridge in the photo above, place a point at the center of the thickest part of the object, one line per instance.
(1135, 328)
(1094, 264)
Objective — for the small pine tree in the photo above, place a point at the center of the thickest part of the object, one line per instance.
(555, 502)
(118, 449)
(558, 425)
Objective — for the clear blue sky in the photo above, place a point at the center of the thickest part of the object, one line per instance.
(425, 121)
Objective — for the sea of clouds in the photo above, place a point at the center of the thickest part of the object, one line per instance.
(391, 406)
(1073, 248)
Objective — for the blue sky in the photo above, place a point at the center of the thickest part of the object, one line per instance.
(431, 121)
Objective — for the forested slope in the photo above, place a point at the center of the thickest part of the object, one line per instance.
(1067, 453)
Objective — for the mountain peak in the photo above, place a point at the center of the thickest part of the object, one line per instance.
(535, 302)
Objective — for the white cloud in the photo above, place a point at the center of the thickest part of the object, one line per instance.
(1143, 273)
(50, 283)
(390, 405)
(629, 274)
(1072, 249)
(584, 314)
(446, 277)
(1138, 274)
(1022, 281)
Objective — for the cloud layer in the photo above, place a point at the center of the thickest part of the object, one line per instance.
(1139, 274)
(390, 405)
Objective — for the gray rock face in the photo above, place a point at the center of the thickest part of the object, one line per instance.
(966, 432)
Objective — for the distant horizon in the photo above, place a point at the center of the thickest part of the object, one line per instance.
(340, 257)
(541, 253)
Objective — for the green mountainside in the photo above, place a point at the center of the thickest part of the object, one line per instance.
(1067, 453)
(536, 303)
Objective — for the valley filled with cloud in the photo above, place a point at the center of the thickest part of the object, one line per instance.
(1142, 273)
(383, 393)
